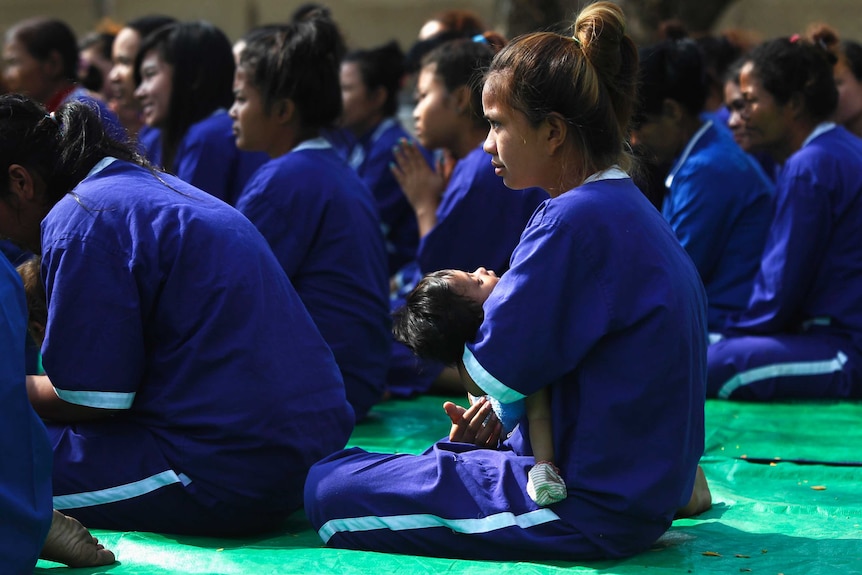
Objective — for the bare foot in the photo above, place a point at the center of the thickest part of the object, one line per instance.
(701, 498)
(70, 543)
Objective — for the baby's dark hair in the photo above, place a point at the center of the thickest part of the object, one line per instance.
(34, 290)
(436, 321)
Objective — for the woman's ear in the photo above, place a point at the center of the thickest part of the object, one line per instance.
(556, 129)
(671, 110)
(462, 96)
(21, 183)
(284, 111)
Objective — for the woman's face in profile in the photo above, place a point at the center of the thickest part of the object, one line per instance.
(24, 74)
(765, 120)
(154, 92)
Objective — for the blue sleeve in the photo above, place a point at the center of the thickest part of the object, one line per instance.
(794, 246)
(523, 345)
(288, 217)
(699, 209)
(94, 342)
(207, 163)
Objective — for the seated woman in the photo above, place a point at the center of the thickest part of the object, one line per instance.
(316, 214)
(370, 84)
(178, 355)
(801, 333)
(601, 305)
(29, 528)
(184, 73)
(121, 80)
(468, 218)
(40, 59)
(719, 202)
(848, 76)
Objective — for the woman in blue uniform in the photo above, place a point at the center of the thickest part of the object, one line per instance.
(719, 202)
(370, 84)
(178, 400)
(184, 74)
(318, 217)
(801, 334)
(467, 219)
(29, 528)
(41, 61)
(601, 305)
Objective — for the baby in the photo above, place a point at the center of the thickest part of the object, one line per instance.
(443, 313)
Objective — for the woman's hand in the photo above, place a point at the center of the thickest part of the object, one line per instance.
(422, 185)
(477, 424)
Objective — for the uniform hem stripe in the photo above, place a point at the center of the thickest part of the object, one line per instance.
(790, 369)
(99, 399)
(120, 492)
(424, 521)
(487, 382)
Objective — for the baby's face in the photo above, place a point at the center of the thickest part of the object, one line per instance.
(476, 285)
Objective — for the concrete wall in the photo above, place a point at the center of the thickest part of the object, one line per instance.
(365, 23)
(371, 22)
(773, 18)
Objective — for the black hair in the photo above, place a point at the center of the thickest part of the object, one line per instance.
(93, 79)
(671, 70)
(146, 25)
(202, 79)
(298, 61)
(61, 148)
(788, 67)
(436, 321)
(853, 57)
(42, 36)
(381, 67)
(462, 63)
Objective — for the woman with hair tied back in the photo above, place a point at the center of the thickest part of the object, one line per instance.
(601, 305)
(800, 335)
(848, 75)
(176, 399)
(316, 214)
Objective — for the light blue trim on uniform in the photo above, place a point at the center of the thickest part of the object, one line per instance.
(487, 382)
(357, 155)
(793, 369)
(100, 399)
(821, 128)
(821, 321)
(121, 492)
(101, 165)
(313, 144)
(686, 151)
(612, 173)
(424, 521)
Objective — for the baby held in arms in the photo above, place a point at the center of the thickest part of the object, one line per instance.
(444, 312)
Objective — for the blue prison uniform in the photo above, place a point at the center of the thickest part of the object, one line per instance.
(25, 456)
(720, 206)
(602, 305)
(801, 334)
(372, 156)
(168, 306)
(322, 225)
(207, 158)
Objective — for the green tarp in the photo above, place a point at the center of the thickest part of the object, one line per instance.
(798, 514)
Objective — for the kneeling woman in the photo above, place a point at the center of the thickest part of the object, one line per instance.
(601, 307)
(178, 355)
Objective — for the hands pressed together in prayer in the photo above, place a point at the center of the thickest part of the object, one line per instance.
(477, 424)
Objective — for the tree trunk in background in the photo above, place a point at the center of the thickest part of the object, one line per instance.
(644, 16)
